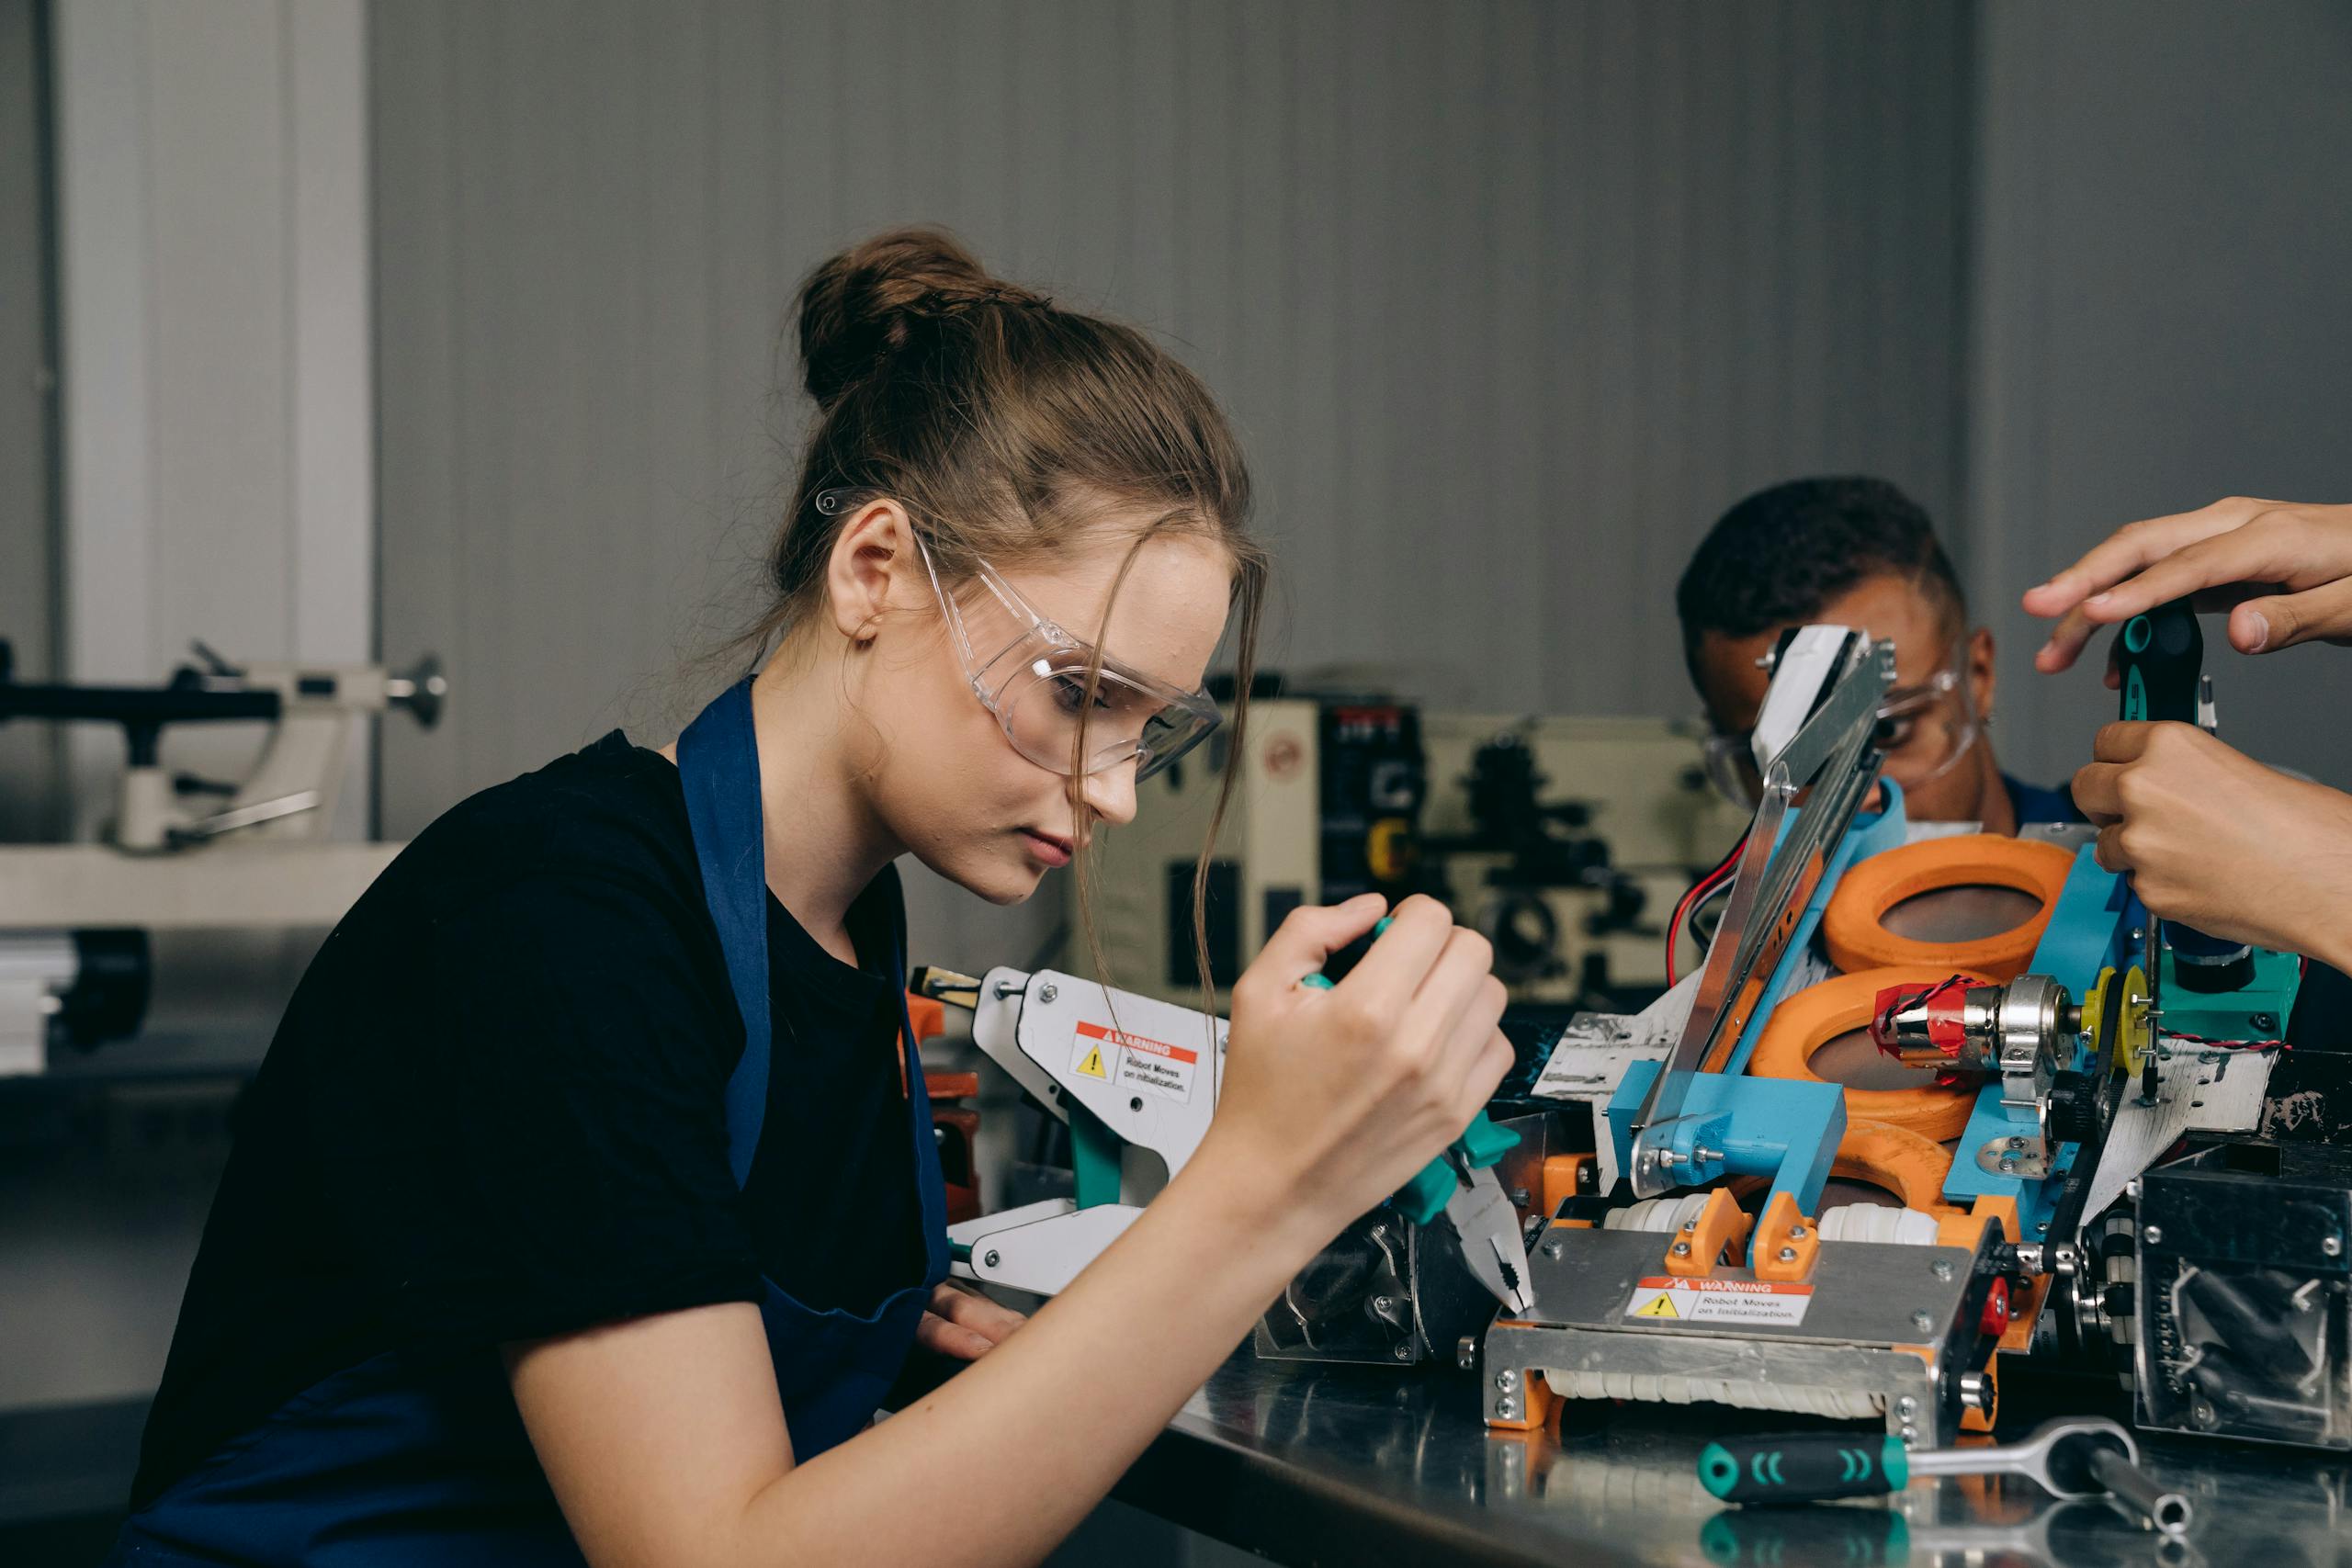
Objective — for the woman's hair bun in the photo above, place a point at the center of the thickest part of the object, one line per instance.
(856, 309)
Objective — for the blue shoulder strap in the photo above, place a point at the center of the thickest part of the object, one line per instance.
(718, 761)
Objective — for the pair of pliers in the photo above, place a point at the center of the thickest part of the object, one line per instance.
(1461, 1184)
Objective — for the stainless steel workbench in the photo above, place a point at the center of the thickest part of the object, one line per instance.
(1320, 1464)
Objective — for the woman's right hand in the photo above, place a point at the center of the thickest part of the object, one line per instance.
(2283, 571)
(1333, 1099)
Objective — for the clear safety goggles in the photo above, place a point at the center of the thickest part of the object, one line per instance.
(1036, 681)
(1923, 733)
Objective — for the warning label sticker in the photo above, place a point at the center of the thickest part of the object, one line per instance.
(1719, 1301)
(1137, 1063)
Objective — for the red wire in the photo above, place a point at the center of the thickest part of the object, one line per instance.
(2228, 1044)
(1698, 894)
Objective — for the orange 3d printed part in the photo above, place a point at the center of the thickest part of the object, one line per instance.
(1854, 924)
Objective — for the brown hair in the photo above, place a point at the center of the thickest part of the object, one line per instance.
(1005, 425)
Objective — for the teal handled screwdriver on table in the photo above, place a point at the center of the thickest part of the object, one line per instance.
(2070, 1458)
(1461, 1184)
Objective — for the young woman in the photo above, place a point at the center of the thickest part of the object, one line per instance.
(586, 1201)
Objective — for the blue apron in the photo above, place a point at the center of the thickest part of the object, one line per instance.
(405, 1458)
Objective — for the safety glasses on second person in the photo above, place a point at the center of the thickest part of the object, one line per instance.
(1924, 730)
(1033, 676)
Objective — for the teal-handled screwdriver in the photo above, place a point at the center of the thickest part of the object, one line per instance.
(1461, 1185)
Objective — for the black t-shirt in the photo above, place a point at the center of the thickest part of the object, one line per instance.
(494, 1110)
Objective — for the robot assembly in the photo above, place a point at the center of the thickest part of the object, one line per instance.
(2104, 1168)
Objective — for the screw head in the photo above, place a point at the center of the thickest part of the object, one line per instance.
(1507, 1380)
(2009, 1164)
(2264, 1022)
(2151, 1233)
(1404, 1352)
(1906, 1407)
(1506, 1409)
(1923, 1320)
(2333, 1246)
(990, 1258)
(1682, 1249)
(1554, 1248)
(1796, 1232)
(1384, 1303)
(1788, 1255)
(1943, 1269)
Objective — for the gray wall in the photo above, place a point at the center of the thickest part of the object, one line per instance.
(1510, 301)
(2163, 235)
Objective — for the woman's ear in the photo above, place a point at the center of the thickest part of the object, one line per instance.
(872, 552)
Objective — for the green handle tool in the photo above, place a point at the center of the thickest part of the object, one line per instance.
(1424, 1198)
(1804, 1467)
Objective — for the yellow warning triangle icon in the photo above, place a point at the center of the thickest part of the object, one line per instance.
(1662, 1307)
(1093, 1066)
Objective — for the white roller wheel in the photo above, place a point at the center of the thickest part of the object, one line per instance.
(1873, 1221)
(1661, 1215)
(1741, 1394)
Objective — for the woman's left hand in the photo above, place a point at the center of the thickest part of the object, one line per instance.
(965, 1323)
(2216, 841)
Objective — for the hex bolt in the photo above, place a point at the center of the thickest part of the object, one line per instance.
(1788, 1255)
(1507, 1380)
(1047, 992)
(1923, 1320)
(1554, 1248)
(1943, 1269)
(1519, 1197)
(989, 1259)
(2151, 1234)
(1465, 1352)
(1682, 1249)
